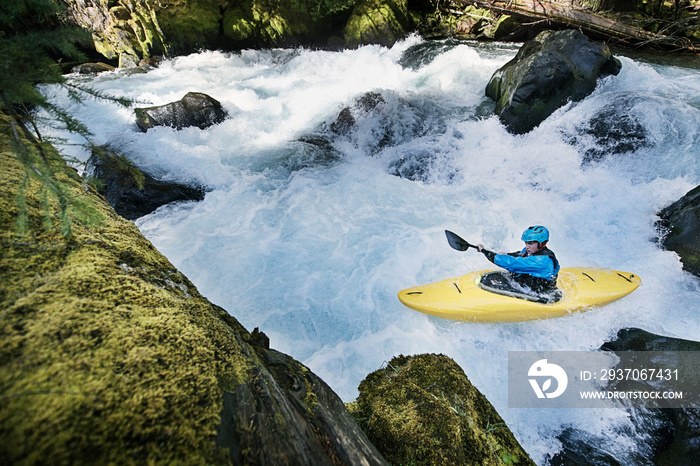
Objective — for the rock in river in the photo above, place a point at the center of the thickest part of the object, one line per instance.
(547, 72)
(132, 192)
(194, 109)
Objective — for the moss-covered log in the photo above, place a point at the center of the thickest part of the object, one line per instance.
(109, 355)
(423, 410)
(612, 28)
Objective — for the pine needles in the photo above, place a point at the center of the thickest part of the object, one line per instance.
(34, 40)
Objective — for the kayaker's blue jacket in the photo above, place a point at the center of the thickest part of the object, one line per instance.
(539, 270)
(541, 264)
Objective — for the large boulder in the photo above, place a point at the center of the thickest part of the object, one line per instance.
(110, 355)
(380, 22)
(194, 109)
(285, 23)
(423, 410)
(123, 30)
(680, 223)
(547, 72)
(128, 30)
(132, 192)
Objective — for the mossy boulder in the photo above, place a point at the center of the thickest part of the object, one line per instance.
(380, 22)
(129, 30)
(504, 27)
(681, 224)
(123, 30)
(109, 355)
(554, 68)
(469, 22)
(189, 25)
(266, 23)
(423, 410)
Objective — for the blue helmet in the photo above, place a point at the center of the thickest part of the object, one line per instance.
(536, 233)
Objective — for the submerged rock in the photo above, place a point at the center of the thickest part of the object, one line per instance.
(110, 355)
(362, 106)
(615, 130)
(423, 410)
(680, 223)
(547, 72)
(194, 109)
(371, 105)
(131, 192)
(669, 436)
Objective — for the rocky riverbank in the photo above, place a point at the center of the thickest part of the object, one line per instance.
(126, 32)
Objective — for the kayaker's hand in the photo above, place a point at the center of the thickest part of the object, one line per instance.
(479, 247)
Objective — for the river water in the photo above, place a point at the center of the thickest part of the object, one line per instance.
(308, 231)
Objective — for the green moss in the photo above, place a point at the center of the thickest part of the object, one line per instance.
(505, 25)
(108, 353)
(423, 410)
(377, 22)
(268, 23)
(188, 24)
(237, 26)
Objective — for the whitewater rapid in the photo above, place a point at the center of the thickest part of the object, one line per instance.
(310, 242)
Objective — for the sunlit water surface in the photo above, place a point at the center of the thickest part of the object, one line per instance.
(309, 234)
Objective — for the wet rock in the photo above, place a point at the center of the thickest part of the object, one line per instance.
(423, 410)
(668, 436)
(365, 107)
(129, 31)
(92, 68)
(414, 167)
(547, 72)
(618, 129)
(194, 109)
(131, 192)
(348, 116)
(680, 225)
(424, 165)
(634, 339)
(423, 53)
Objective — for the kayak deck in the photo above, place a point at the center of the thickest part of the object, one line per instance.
(462, 299)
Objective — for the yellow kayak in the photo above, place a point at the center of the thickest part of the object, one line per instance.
(463, 299)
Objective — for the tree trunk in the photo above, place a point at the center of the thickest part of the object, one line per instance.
(585, 20)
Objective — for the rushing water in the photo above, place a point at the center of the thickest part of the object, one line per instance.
(308, 233)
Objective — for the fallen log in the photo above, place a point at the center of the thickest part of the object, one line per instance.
(585, 20)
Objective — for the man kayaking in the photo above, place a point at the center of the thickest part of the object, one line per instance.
(535, 267)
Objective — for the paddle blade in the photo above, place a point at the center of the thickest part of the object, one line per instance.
(456, 242)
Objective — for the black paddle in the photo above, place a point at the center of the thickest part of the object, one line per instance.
(456, 242)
